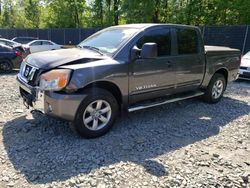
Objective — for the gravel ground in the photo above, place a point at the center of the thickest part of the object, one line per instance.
(185, 144)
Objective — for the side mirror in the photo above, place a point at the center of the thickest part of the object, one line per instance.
(149, 51)
(135, 53)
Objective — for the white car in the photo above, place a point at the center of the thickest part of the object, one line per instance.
(245, 67)
(9, 42)
(42, 45)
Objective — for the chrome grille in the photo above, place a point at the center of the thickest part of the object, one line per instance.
(28, 73)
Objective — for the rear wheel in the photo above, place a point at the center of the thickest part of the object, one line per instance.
(5, 66)
(96, 114)
(215, 89)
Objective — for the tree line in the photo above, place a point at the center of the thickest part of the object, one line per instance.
(102, 13)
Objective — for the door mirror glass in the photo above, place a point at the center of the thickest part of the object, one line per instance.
(149, 51)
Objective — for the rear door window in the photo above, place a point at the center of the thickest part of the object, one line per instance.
(37, 43)
(187, 40)
(47, 43)
(162, 37)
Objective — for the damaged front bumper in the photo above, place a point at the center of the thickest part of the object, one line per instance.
(50, 103)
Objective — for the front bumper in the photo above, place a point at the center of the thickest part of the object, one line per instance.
(50, 103)
(244, 74)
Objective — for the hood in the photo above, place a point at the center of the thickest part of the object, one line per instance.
(245, 62)
(51, 59)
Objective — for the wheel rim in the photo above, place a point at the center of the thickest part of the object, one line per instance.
(97, 115)
(5, 66)
(217, 89)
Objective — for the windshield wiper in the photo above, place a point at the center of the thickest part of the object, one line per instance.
(92, 48)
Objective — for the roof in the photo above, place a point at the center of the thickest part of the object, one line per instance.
(4, 39)
(5, 46)
(26, 37)
(147, 25)
(38, 40)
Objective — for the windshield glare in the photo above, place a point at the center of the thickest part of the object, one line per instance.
(109, 40)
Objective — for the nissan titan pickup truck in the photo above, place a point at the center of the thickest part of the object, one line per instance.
(123, 69)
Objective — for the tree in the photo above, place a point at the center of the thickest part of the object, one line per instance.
(32, 13)
(103, 13)
(116, 12)
(97, 16)
(65, 13)
(7, 19)
(140, 11)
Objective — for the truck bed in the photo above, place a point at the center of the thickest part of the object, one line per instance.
(222, 57)
(220, 49)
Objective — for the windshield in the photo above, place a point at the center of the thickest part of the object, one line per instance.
(8, 43)
(109, 40)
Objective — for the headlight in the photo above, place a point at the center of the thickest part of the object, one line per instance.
(55, 80)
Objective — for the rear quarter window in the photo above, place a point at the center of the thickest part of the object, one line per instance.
(187, 40)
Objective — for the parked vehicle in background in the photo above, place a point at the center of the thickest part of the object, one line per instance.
(10, 58)
(25, 50)
(244, 72)
(8, 42)
(125, 68)
(42, 45)
(24, 40)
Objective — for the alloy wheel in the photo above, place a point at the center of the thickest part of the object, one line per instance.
(217, 89)
(97, 115)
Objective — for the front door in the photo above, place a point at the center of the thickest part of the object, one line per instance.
(151, 78)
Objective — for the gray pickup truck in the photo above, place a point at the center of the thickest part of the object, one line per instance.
(123, 69)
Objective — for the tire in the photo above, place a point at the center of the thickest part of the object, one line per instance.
(215, 89)
(96, 113)
(5, 66)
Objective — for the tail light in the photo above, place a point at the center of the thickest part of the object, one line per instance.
(18, 54)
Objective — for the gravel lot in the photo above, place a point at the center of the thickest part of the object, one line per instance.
(185, 144)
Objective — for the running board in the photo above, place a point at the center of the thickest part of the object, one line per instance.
(180, 98)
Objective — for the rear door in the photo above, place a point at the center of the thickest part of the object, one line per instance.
(47, 45)
(5, 52)
(153, 78)
(190, 59)
(36, 46)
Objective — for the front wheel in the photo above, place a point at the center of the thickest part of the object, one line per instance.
(5, 66)
(96, 114)
(215, 89)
